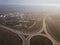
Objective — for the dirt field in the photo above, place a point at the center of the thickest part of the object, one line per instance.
(53, 26)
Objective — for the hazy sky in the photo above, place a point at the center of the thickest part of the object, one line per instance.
(27, 2)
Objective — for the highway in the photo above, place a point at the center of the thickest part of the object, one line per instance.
(44, 26)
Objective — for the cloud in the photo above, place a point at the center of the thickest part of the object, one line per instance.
(29, 1)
